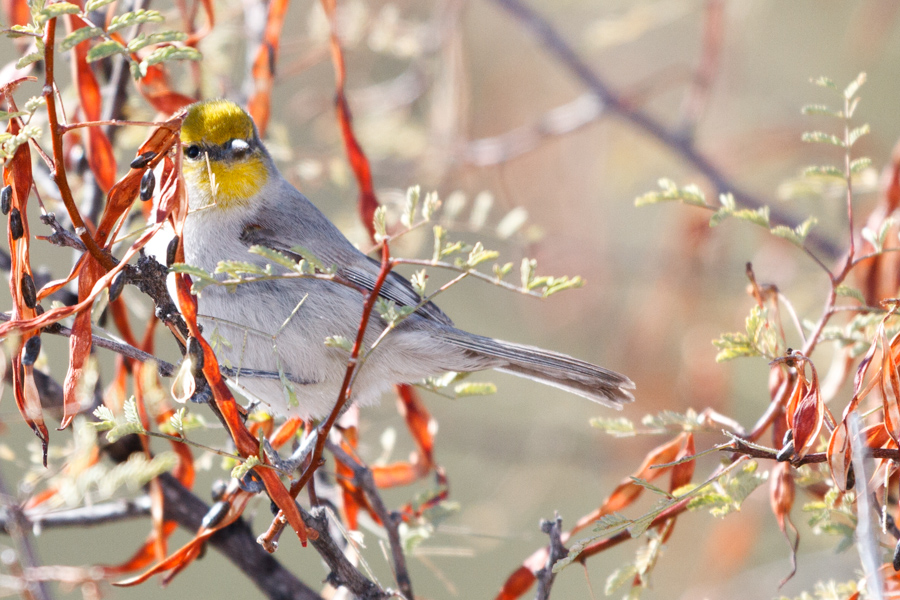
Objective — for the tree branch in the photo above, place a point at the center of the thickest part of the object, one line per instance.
(677, 142)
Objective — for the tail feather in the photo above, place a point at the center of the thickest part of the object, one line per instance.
(551, 368)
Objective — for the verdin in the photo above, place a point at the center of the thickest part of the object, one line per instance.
(239, 199)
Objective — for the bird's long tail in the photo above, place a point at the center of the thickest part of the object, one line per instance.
(548, 367)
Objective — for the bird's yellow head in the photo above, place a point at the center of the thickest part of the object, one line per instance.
(225, 164)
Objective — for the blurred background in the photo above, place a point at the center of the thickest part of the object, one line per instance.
(463, 98)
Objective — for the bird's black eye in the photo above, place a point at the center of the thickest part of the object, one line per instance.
(192, 151)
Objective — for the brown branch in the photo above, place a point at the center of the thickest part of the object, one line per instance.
(546, 576)
(237, 543)
(83, 516)
(363, 478)
(58, 172)
(343, 573)
(25, 555)
(677, 142)
(739, 447)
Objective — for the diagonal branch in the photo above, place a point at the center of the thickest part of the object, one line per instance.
(677, 142)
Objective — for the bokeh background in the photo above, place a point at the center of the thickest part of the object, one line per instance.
(463, 99)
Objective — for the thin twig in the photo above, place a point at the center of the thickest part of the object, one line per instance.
(559, 47)
(363, 478)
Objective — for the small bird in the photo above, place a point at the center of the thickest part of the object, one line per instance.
(238, 199)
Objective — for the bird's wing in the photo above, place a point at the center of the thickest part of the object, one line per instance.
(362, 271)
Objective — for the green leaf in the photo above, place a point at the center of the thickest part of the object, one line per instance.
(78, 36)
(418, 281)
(849, 292)
(105, 49)
(854, 86)
(121, 430)
(475, 389)
(176, 421)
(511, 222)
(860, 164)
(824, 82)
(142, 40)
(857, 133)
(56, 10)
(412, 205)
(28, 59)
(647, 485)
(92, 5)
(339, 341)
(479, 255)
(618, 578)
(277, 257)
(759, 216)
(821, 109)
(824, 171)
(820, 137)
(136, 17)
(241, 469)
(798, 234)
(379, 221)
(619, 427)
(501, 271)
(690, 194)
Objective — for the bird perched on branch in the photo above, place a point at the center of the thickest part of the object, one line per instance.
(239, 200)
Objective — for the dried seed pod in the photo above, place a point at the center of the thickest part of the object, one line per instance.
(143, 160)
(5, 199)
(29, 293)
(148, 185)
(116, 287)
(15, 224)
(171, 249)
(195, 352)
(31, 351)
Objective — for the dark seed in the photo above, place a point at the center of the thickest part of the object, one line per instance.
(31, 351)
(195, 351)
(143, 160)
(15, 224)
(171, 249)
(29, 294)
(116, 287)
(219, 486)
(786, 452)
(5, 199)
(851, 478)
(788, 436)
(215, 514)
(897, 556)
(148, 185)
(38, 310)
